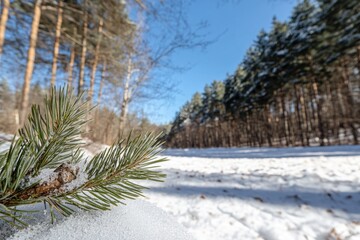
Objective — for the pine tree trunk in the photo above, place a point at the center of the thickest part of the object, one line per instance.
(95, 63)
(319, 112)
(83, 50)
(216, 128)
(298, 115)
(292, 118)
(101, 83)
(56, 43)
(30, 61)
(268, 125)
(3, 22)
(71, 66)
(331, 127)
(350, 119)
(305, 115)
(229, 131)
(283, 116)
(335, 114)
(248, 130)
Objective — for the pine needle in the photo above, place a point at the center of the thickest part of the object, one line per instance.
(50, 141)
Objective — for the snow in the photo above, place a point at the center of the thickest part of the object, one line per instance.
(263, 193)
(137, 220)
(6, 137)
(237, 193)
(260, 153)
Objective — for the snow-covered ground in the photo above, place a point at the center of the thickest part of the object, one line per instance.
(237, 193)
(138, 220)
(263, 193)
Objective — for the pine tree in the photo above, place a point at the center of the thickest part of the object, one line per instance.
(45, 164)
(3, 21)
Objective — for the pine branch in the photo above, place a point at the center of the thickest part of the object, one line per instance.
(44, 164)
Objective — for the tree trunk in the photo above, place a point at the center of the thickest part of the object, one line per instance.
(83, 51)
(350, 119)
(305, 117)
(268, 125)
(101, 83)
(298, 116)
(95, 63)
(126, 97)
(56, 43)
(100, 92)
(3, 21)
(283, 114)
(335, 111)
(318, 102)
(71, 66)
(30, 61)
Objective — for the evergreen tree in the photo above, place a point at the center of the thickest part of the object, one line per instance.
(296, 85)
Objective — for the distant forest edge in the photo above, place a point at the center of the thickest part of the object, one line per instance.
(298, 85)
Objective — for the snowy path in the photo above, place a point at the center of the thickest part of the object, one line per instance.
(293, 193)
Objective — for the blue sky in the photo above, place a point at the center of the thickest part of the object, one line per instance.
(238, 22)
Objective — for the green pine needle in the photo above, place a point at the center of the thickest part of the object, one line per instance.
(51, 141)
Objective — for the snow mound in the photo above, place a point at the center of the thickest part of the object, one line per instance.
(137, 220)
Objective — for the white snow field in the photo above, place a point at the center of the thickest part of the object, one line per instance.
(237, 193)
(263, 193)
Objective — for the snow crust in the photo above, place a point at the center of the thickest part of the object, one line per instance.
(263, 193)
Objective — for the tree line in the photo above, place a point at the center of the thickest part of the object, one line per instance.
(298, 85)
(104, 49)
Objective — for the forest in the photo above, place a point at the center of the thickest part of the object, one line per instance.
(298, 85)
(105, 50)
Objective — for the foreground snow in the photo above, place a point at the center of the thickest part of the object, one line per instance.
(252, 193)
(137, 220)
(238, 193)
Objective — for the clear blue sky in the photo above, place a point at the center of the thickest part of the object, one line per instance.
(240, 22)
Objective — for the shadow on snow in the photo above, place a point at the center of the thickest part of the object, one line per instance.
(239, 186)
(328, 151)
